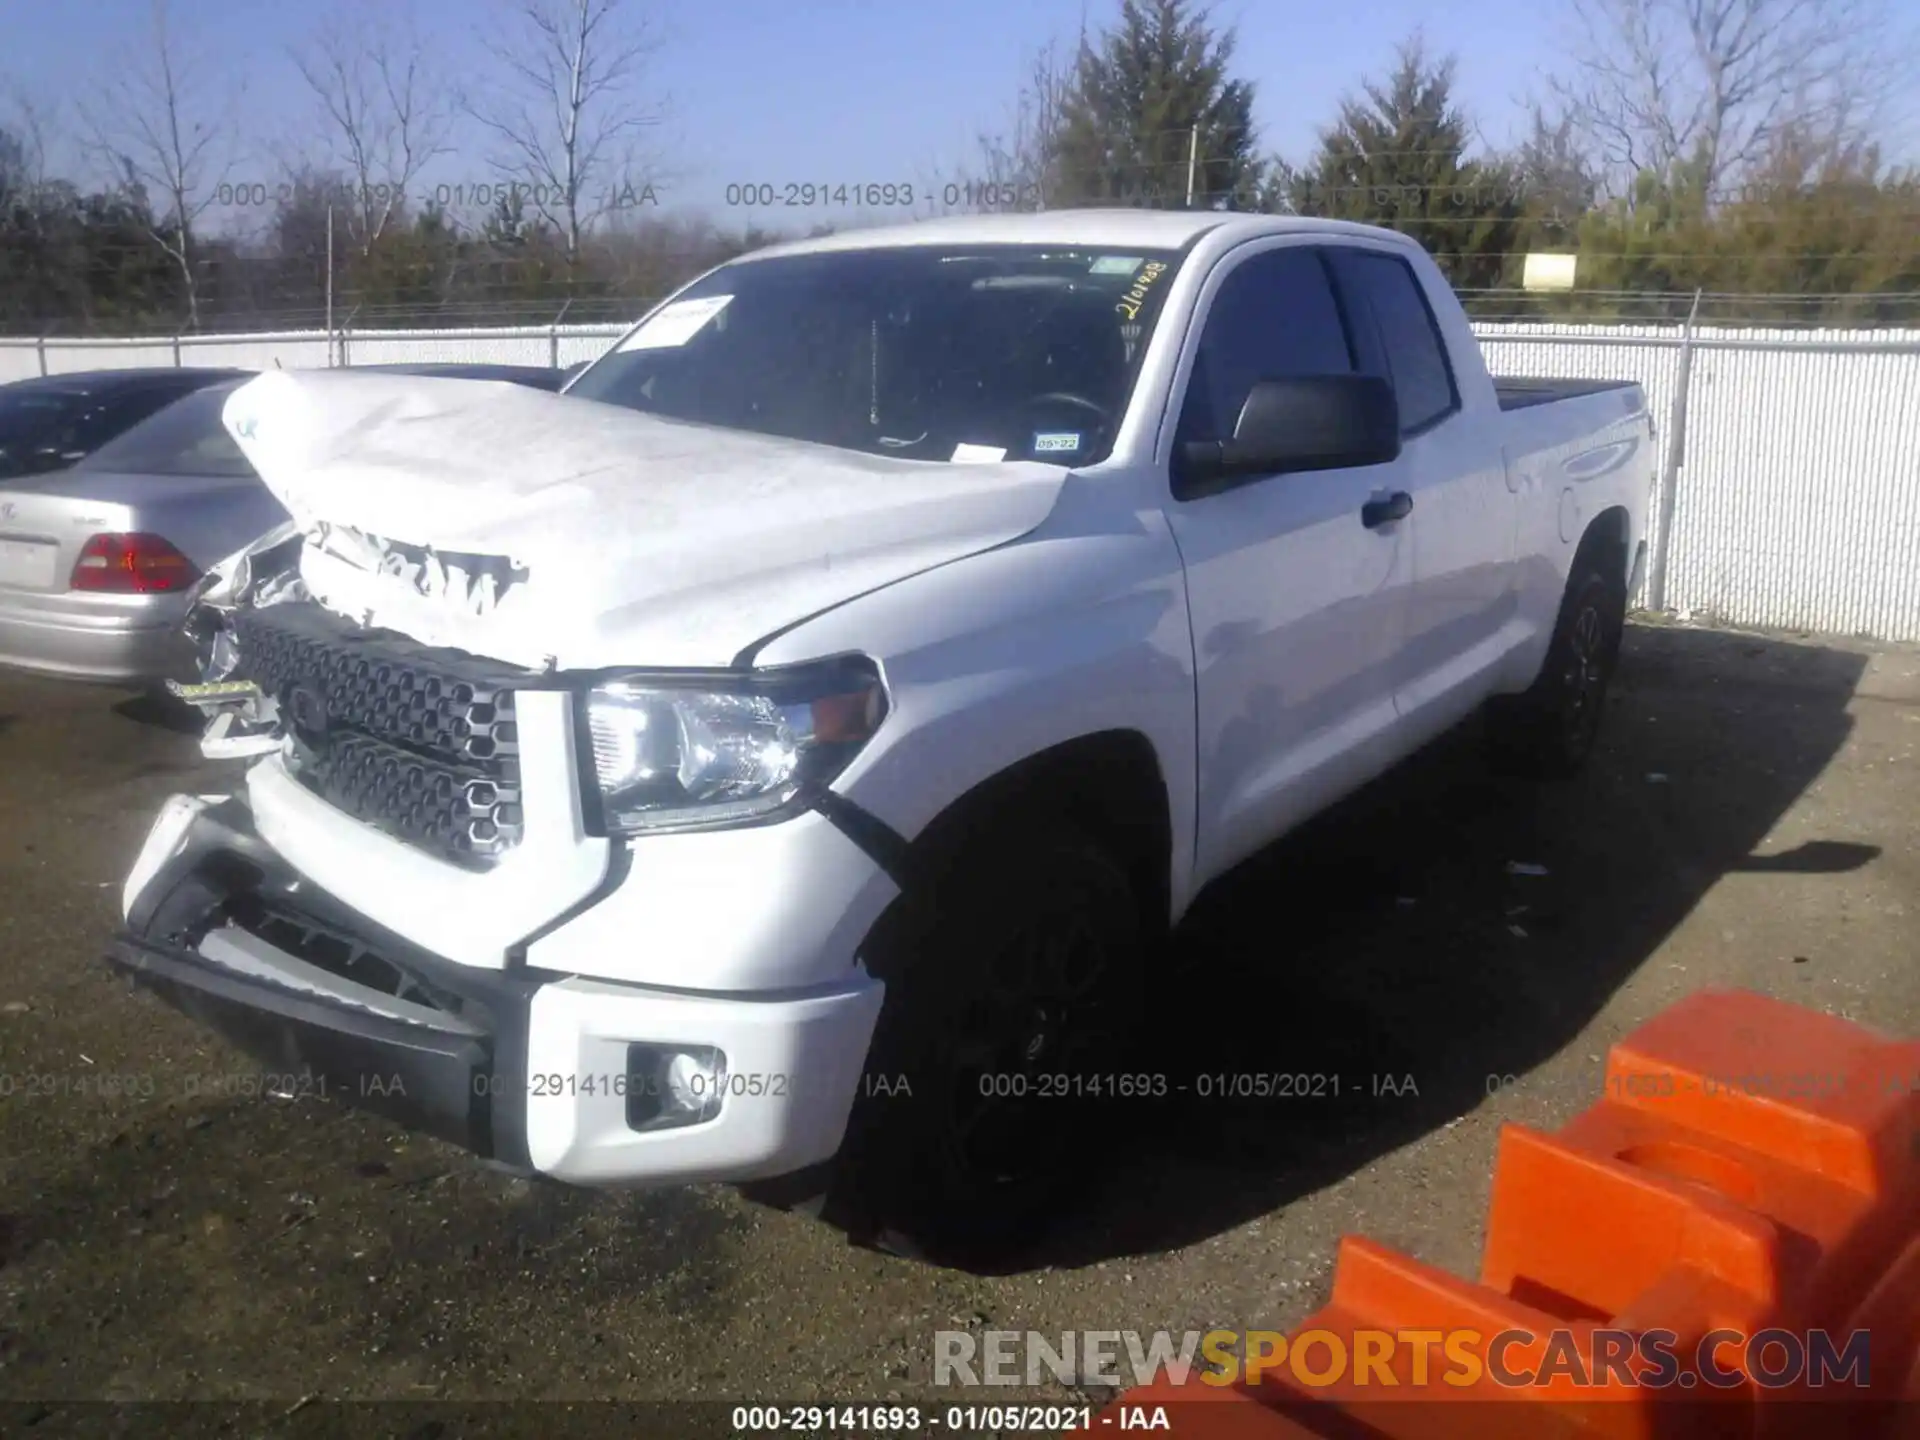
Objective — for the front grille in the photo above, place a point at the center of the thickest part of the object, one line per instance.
(420, 743)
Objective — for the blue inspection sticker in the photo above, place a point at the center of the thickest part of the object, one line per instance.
(1057, 442)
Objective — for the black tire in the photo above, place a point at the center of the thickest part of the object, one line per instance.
(1024, 960)
(1549, 731)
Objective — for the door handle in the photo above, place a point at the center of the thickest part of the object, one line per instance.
(1396, 506)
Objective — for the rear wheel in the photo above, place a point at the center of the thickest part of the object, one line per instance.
(1014, 985)
(1549, 731)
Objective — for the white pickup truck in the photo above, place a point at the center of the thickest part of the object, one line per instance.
(775, 758)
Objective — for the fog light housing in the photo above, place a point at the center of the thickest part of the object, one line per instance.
(673, 1086)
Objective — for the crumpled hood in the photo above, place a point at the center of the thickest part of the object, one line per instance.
(572, 533)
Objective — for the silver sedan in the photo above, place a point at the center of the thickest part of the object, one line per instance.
(96, 562)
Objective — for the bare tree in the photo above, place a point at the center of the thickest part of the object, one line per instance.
(1555, 171)
(162, 127)
(1021, 159)
(25, 122)
(1712, 84)
(381, 107)
(1013, 167)
(567, 123)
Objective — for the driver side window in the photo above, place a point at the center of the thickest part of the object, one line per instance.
(1273, 318)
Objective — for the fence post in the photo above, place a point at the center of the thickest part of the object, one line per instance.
(553, 334)
(176, 350)
(40, 345)
(345, 327)
(1670, 470)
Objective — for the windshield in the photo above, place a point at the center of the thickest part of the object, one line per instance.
(999, 352)
(186, 438)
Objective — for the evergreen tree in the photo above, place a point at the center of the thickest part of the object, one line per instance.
(1149, 100)
(1658, 239)
(1398, 157)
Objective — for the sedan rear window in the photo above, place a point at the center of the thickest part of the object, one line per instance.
(186, 438)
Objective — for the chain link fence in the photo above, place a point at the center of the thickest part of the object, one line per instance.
(1788, 490)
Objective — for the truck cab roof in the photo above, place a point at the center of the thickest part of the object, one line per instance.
(1119, 229)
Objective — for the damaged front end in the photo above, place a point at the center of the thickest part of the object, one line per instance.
(243, 720)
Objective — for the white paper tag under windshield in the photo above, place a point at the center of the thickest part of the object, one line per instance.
(977, 454)
(676, 324)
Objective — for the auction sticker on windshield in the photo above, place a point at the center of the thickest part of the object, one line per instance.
(1115, 265)
(675, 324)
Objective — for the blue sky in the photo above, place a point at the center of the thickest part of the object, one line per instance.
(835, 91)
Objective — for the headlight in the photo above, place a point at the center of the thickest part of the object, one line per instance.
(674, 753)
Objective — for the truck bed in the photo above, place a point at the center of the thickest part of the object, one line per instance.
(1520, 392)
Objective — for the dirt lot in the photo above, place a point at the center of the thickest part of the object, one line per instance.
(1753, 821)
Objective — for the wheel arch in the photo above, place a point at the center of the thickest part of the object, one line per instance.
(1608, 540)
(1108, 785)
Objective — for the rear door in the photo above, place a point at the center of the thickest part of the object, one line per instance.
(1462, 619)
(1298, 609)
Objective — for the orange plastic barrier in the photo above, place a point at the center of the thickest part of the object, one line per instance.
(1751, 1166)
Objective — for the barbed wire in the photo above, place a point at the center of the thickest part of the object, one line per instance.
(411, 279)
(601, 264)
(1120, 179)
(1481, 304)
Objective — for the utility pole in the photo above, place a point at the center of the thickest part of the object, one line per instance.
(329, 282)
(1193, 162)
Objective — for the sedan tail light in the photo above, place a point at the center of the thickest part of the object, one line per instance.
(132, 565)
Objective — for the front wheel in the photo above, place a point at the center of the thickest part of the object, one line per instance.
(1549, 731)
(1014, 988)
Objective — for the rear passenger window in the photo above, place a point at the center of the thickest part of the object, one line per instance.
(1396, 334)
(1273, 318)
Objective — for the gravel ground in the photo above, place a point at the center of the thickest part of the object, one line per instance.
(1751, 821)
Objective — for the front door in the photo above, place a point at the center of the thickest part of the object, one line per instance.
(1298, 607)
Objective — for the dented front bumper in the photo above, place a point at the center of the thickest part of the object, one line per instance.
(216, 925)
(536, 1069)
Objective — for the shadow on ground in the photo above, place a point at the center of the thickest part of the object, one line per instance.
(162, 712)
(1389, 938)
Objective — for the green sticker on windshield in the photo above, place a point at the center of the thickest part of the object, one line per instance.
(1115, 265)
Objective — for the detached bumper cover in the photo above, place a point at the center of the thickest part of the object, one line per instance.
(223, 931)
(429, 1078)
(526, 1068)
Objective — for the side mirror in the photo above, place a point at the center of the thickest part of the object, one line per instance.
(1309, 422)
